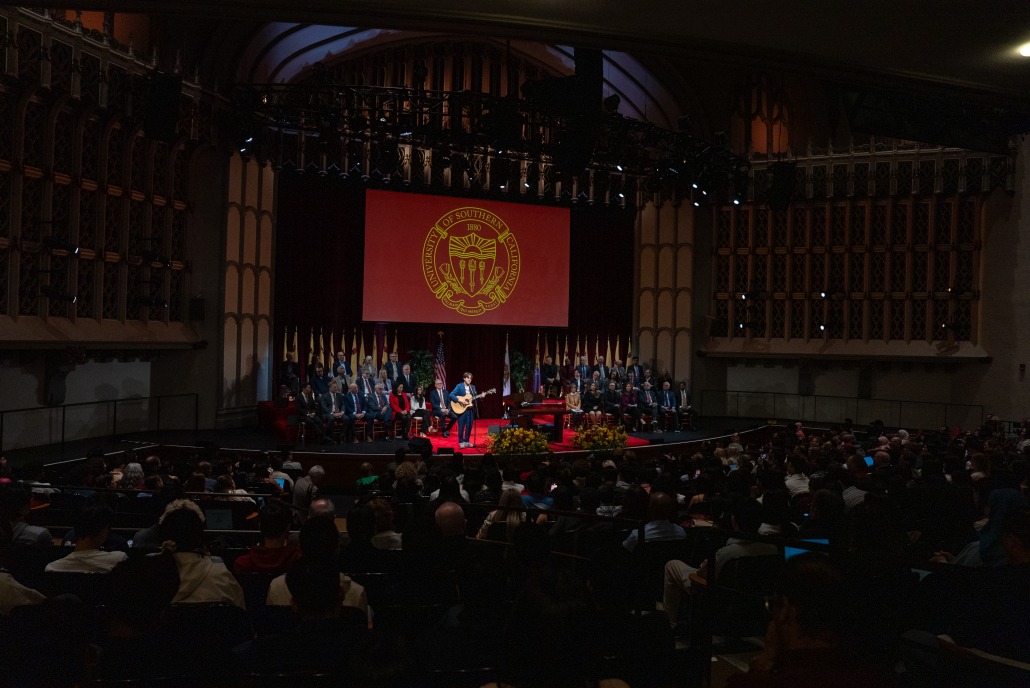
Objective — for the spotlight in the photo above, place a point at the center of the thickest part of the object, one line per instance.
(822, 295)
(736, 201)
(822, 327)
(697, 204)
(56, 294)
(618, 167)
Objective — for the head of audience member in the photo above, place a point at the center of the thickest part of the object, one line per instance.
(450, 520)
(747, 516)
(806, 608)
(319, 370)
(548, 360)
(383, 377)
(341, 357)
(382, 514)
(93, 526)
(406, 369)
(319, 538)
(660, 507)
(576, 374)
(225, 484)
(132, 477)
(365, 373)
(367, 361)
(322, 507)
(399, 389)
(146, 587)
(646, 385)
(352, 387)
(666, 386)
(314, 586)
(629, 386)
(316, 473)
(182, 524)
(360, 526)
(275, 523)
(334, 387)
(152, 465)
(647, 372)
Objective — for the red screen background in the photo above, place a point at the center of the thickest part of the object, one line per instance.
(402, 269)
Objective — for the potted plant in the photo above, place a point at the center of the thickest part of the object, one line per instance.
(514, 441)
(521, 369)
(421, 362)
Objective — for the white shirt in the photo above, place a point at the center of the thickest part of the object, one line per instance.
(796, 484)
(87, 561)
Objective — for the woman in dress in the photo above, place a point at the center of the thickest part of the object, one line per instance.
(420, 408)
(630, 408)
(592, 403)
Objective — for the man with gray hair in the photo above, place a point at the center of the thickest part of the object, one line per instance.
(305, 491)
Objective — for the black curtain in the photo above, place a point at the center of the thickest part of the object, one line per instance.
(320, 277)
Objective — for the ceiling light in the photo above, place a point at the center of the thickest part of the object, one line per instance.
(1024, 50)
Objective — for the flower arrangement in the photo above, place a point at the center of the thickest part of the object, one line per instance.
(518, 441)
(600, 438)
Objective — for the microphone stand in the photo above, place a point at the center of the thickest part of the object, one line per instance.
(475, 413)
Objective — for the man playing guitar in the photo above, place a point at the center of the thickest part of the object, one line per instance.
(461, 398)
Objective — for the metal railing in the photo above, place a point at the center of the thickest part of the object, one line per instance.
(820, 408)
(42, 425)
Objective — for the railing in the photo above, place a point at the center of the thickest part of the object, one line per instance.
(42, 425)
(832, 409)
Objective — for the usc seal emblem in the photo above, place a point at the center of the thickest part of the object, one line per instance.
(471, 260)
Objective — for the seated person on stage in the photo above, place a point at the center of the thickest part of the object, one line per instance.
(551, 378)
(683, 405)
(354, 406)
(439, 402)
(407, 378)
(667, 408)
(289, 373)
(603, 371)
(378, 406)
(333, 411)
(612, 399)
(400, 405)
(385, 381)
(341, 370)
(577, 383)
(583, 367)
(420, 409)
(596, 379)
(320, 380)
(649, 403)
(631, 405)
(618, 371)
(593, 405)
(367, 367)
(392, 368)
(91, 531)
(648, 378)
(632, 381)
(566, 370)
(574, 403)
(309, 411)
(366, 383)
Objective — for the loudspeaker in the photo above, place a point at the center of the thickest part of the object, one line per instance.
(416, 445)
(493, 430)
(445, 450)
(162, 118)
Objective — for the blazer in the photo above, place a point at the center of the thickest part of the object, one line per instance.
(400, 403)
(408, 381)
(438, 399)
(306, 406)
(353, 404)
(363, 388)
(668, 400)
(327, 404)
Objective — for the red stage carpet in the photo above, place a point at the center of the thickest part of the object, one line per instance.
(481, 429)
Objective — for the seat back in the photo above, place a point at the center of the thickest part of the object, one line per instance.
(93, 589)
(736, 599)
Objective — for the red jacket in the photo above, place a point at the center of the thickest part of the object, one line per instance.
(400, 403)
(261, 559)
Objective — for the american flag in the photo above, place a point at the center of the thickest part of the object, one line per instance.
(441, 364)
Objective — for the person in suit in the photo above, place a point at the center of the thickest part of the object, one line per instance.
(439, 402)
(668, 407)
(649, 378)
(577, 384)
(683, 404)
(366, 383)
(332, 409)
(320, 381)
(466, 419)
(309, 411)
(648, 402)
(400, 405)
(618, 372)
(378, 406)
(289, 373)
(583, 368)
(549, 374)
(341, 370)
(367, 365)
(406, 378)
(635, 368)
(393, 368)
(354, 406)
(601, 369)
(612, 400)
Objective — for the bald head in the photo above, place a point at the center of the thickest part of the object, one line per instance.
(450, 519)
(659, 508)
(322, 507)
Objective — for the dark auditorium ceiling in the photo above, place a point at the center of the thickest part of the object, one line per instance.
(944, 43)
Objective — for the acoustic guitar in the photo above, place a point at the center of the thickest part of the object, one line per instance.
(463, 404)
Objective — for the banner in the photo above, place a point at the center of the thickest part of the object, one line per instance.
(466, 261)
